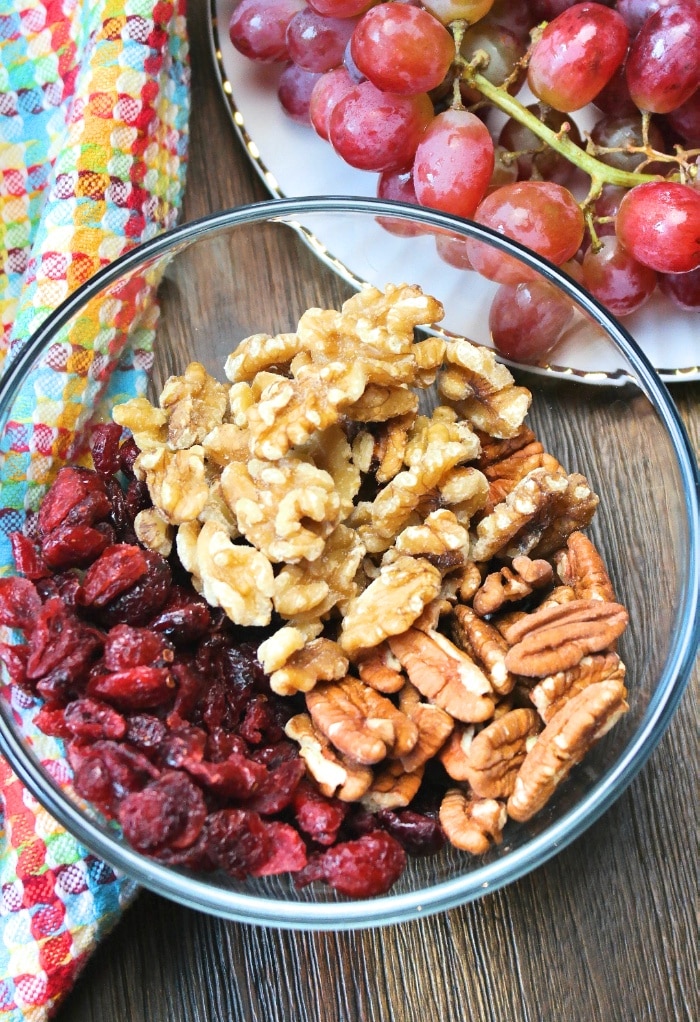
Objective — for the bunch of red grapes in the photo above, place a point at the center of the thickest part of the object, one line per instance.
(408, 90)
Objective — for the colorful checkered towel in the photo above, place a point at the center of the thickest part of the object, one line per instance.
(93, 134)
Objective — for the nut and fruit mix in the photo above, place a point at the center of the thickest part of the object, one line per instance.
(297, 623)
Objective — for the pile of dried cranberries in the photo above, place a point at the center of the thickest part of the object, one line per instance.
(170, 725)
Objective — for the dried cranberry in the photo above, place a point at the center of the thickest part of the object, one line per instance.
(92, 720)
(128, 453)
(63, 584)
(259, 721)
(273, 755)
(138, 688)
(15, 660)
(106, 772)
(19, 603)
(184, 746)
(237, 841)
(92, 510)
(276, 792)
(75, 546)
(214, 708)
(115, 571)
(222, 744)
(418, 834)
(51, 720)
(70, 487)
(189, 689)
(92, 778)
(61, 650)
(288, 854)
(316, 815)
(236, 777)
(27, 557)
(359, 869)
(360, 821)
(119, 515)
(127, 647)
(104, 447)
(145, 731)
(146, 597)
(230, 663)
(231, 684)
(137, 498)
(248, 655)
(185, 618)
(168, 813)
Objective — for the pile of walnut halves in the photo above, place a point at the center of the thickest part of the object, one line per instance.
(435, 594)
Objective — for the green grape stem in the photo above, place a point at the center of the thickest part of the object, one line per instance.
(600, 173)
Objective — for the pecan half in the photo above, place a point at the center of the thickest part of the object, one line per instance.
(550, 694)
(454, 755)
(381, 670)
(582, 567)
(444, 674)
(393, 787)
(472, 824)
(335, 775)
(434, 727)
(359, 722)
(559, 637)
(510, 584)
(564, 742)
(497, 753)
(484, 643)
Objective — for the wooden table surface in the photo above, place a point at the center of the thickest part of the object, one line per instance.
(603, 932)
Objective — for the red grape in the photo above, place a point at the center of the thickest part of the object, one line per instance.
(352, 68)
(514, 15)
(505, 172)
(620, 132)
(341, 8)
(448, 11)
(316, 42)
(398, 186)
(325, 96)
(662, 67)
(636, 12)
(659, 223)
(402, 49)
(294, 92)
(540, 214)
(537, 160)
(607, 205)
(375, 130)
(258, 28)
(527, 319)
(685, 120)
(577, 55)
(682, 288)
(452, 249)
(614, 98)
(503, 49)
(616, 279)
(546, 10)
(453, 163)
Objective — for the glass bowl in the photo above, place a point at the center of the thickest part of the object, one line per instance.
(598, 406)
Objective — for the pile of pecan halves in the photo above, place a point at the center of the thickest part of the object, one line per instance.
(434, 594)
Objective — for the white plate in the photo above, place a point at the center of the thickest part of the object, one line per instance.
(293, 161)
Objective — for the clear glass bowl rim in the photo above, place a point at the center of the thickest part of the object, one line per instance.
(391, 908)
